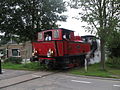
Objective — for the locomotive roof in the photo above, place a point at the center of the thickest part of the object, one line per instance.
(60, 29)
(66, 29)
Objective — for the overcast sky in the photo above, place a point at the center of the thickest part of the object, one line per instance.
(73, 24)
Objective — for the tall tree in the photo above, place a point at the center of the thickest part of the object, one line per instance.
(103, 16)
(26, 17)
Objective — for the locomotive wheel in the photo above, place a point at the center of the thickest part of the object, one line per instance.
(50, 65)
(68, 62)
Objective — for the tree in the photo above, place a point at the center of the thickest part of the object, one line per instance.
(113, 45)
(27, 17)
(103, 16)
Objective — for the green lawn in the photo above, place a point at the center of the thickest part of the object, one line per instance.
(94, 70)
(28, 66)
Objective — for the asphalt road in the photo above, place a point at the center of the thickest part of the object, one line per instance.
(12, 73)
(60, 81)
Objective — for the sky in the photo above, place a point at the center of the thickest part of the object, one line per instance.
(74, 24)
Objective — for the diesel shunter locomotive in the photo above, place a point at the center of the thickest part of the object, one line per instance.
(59, 48)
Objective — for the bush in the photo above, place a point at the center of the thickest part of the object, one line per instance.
(114, 62)
(15, 60)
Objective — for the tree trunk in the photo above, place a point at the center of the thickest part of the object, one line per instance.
(102, 54)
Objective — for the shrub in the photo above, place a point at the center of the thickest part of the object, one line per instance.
(15, 60)
(114, 62)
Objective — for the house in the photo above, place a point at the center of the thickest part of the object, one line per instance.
(12, 49)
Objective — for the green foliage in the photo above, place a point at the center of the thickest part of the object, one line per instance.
(113, 44)
(114, 62)
(27, 17)
(14, 60)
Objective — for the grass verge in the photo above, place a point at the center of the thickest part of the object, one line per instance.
(27, 66)
(94, 70)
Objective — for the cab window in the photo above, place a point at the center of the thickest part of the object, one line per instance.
(48, 36)
(39, 36)
(56, 34)
(66, 35)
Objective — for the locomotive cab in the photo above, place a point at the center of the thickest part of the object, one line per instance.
(56, 34)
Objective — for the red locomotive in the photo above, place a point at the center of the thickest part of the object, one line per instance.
(59, 48)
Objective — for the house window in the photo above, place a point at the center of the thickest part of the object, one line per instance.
(15, 52)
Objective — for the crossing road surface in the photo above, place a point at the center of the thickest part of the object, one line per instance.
(60, 81)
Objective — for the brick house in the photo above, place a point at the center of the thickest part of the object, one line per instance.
(11, 49)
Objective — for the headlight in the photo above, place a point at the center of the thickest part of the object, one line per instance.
(34, 52)
(50, 53)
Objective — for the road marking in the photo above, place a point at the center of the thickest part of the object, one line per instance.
(116, 85)
(80, 81)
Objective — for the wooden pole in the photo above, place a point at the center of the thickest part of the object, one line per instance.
(86, 65)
